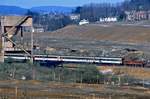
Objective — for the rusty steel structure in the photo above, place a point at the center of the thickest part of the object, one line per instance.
(10, 27)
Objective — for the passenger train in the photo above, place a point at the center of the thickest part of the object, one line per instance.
(75, 59)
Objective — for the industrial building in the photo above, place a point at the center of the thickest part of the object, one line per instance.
(12, 26)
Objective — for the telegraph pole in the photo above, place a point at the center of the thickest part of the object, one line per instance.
(32, 56)
(3, 40)
(32, 44)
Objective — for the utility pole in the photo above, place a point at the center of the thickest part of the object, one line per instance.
(16, 92)
(143, 82)
(119, 80)
(32, 44)
(32, 57)
(3, 40)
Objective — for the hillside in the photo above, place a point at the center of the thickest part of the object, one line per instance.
(12, 10)
(15, 10)
(54, 9)
(101, 32)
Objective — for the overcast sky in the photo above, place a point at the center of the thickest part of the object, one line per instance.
(33, 3)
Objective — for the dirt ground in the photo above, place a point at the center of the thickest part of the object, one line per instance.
(111, 32)
(53, 90)
(137, 72)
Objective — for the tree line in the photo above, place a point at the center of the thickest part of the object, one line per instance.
(50, 21)
(93, 12)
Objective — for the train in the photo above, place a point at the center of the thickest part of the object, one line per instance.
(98, 60)
(122, 61)
(74, 59)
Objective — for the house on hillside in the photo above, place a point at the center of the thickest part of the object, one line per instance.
(137, 15)
(108, 19)
(38, 29)
(74, 16)
(83, 22)
(148, 15)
